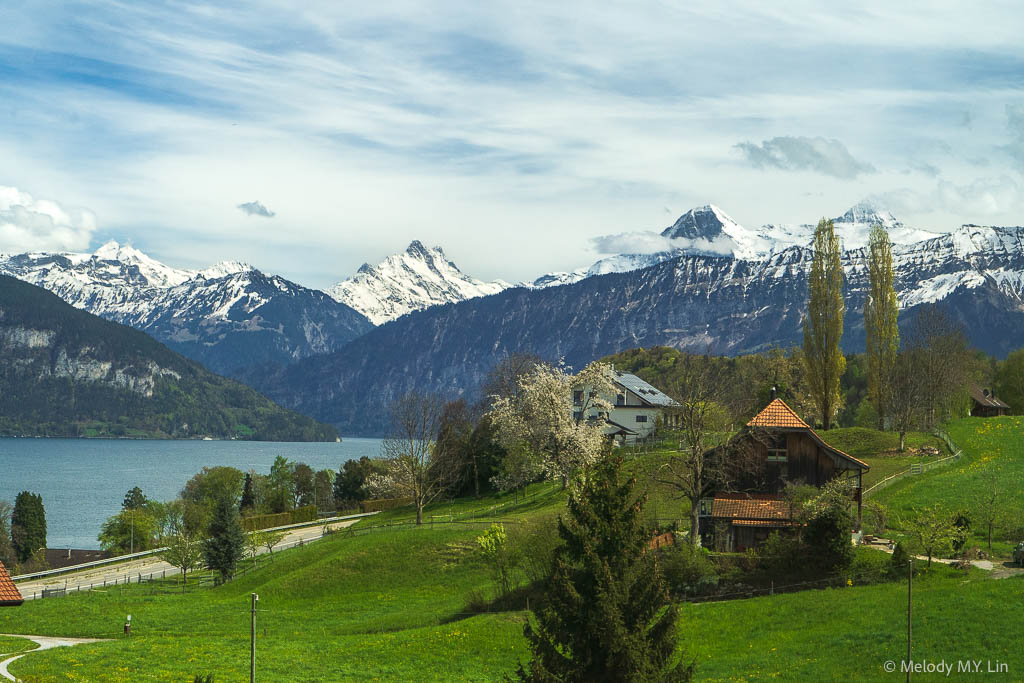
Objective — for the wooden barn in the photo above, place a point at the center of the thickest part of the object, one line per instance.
(778, 447)
(985, 404)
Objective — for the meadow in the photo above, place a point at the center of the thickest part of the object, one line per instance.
(388, 601)
(992, 461)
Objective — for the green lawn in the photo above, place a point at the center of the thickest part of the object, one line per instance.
(392, 605)
(389, 606)
(990, 446)
(9, 645)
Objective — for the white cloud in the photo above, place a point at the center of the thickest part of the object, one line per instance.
(805, 154)
(28, 224)
(981, 199)
(648, 242)
(374, 125)
(256, 209)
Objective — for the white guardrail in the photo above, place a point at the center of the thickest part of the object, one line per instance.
(146, 553)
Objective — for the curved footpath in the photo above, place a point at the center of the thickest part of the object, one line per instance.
(45, 643)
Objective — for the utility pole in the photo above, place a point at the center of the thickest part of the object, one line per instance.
(252, 642)
(132, 550)
(910, 609)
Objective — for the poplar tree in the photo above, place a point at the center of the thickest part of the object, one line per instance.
(823, 327)
(881, 313)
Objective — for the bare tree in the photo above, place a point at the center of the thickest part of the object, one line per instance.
(907, 392)
(503, 379)
(943, 359)
(412, 469)
(702, 423)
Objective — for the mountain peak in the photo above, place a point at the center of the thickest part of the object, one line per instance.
(868, 213)
(409, 281)
(702, 222)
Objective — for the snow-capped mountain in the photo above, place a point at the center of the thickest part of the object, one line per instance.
(410, 281)
(709, 231)
(692, 302)
(229, 316)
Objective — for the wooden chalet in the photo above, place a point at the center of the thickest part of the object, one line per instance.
(985, 404)
(9, 595)
(779, 447)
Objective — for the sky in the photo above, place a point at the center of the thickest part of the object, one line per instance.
(307, 140)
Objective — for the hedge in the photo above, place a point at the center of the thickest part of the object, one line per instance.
(297, 516)
(383, 504)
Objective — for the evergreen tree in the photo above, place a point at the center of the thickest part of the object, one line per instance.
(602, 618)
(881, 313)
(28, 525)
(134, 499)
(823, 328)
(248, 501)
(225, 544)
(7, 556)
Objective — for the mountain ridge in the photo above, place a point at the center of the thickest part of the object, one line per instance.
(70, 373)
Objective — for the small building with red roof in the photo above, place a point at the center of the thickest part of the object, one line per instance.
(9, 594)
(777, 448)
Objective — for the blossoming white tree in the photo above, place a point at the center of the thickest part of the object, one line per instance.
(540, 417)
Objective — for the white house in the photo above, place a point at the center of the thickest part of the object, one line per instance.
(635, 408)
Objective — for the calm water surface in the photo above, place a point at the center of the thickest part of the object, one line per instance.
(83, 481)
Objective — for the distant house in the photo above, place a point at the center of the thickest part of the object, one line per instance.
(985, 404)
(778, 447)
(9, 595)
(636, 407)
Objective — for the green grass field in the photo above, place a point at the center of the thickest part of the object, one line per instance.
(992, 447)
(9, 645)
(388, 606)
(392, 604)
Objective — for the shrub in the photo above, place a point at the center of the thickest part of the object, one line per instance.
(306, 513)
(534, 542)
(383, 504)
(495, 548)
(688, 571)
(783, 554)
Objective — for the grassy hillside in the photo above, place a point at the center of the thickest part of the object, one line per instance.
(392, 604)
(69, 373)
(993, 460)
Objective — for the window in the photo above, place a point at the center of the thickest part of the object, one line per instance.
(577, 397)
(639, 418)
(777, 450)
(620, 399)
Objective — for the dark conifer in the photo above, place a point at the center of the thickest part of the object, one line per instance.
(225, 544)
(28, 525)
(605, 616)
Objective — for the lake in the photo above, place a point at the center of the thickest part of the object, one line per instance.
(83, 481)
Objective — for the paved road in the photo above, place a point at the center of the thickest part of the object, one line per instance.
(150, 565)
(45, 643)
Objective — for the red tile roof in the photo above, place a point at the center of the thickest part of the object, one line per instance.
(778, 414)
(751, 506)
(9, 594)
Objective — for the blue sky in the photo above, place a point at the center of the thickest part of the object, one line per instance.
(511, 134)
